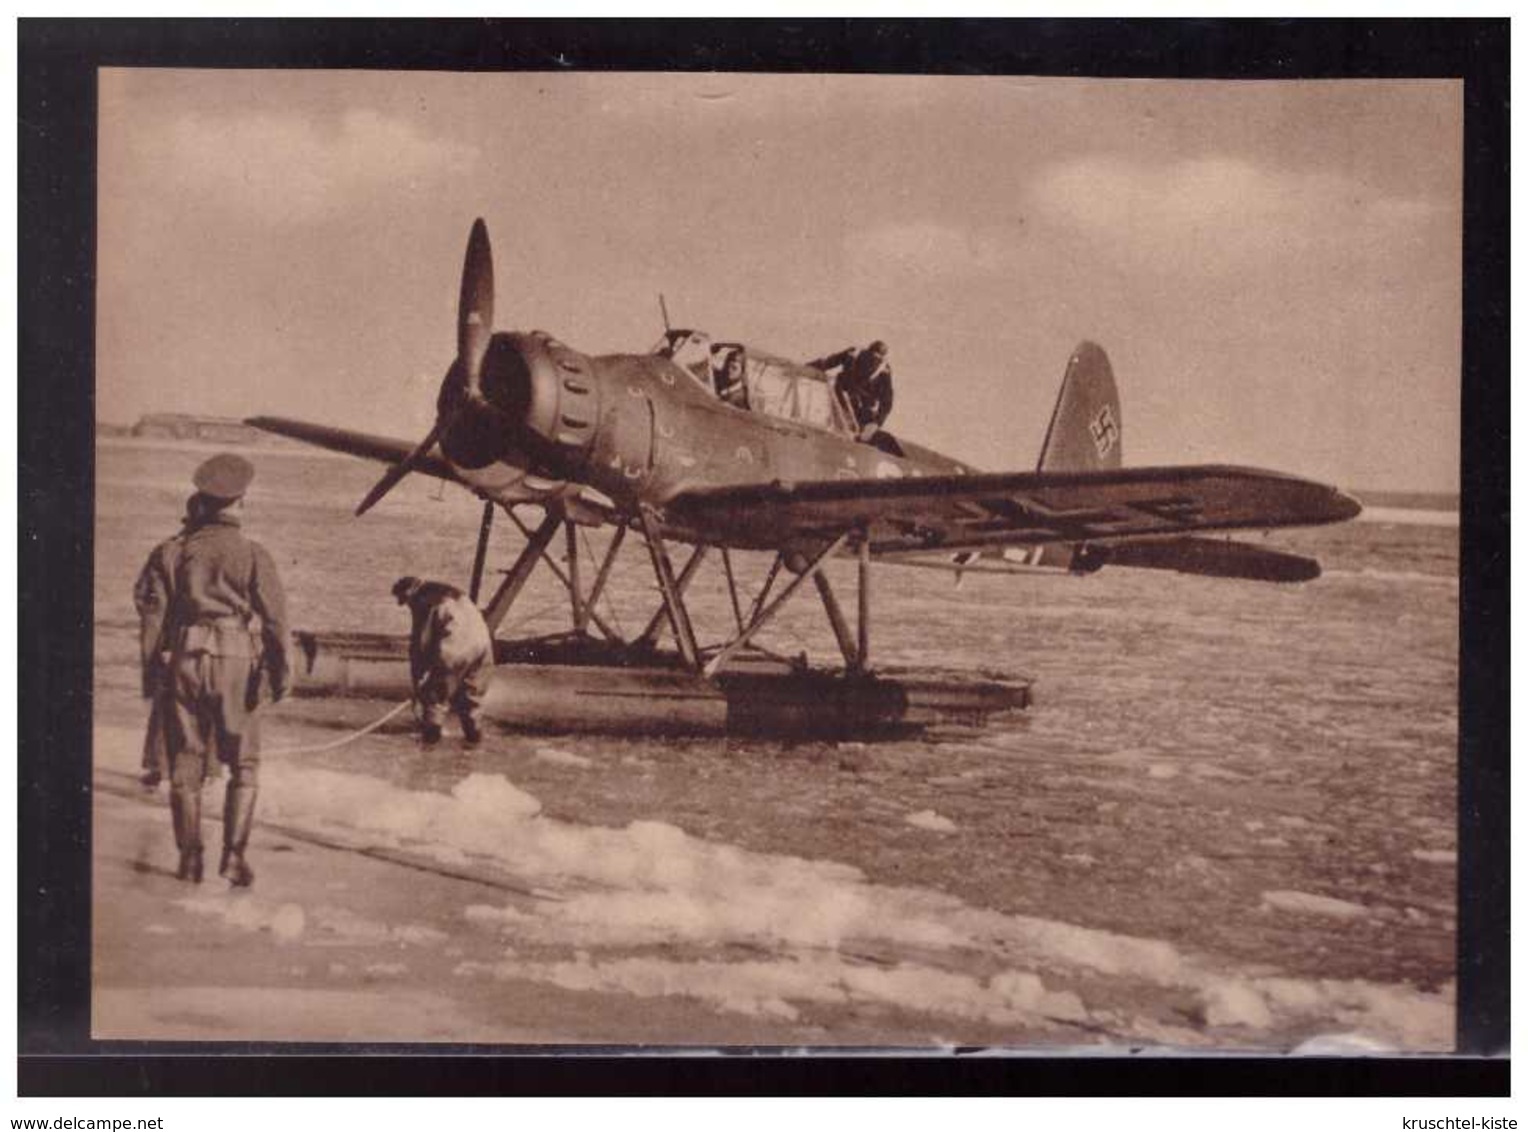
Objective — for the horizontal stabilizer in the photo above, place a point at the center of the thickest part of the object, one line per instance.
(1211, 557)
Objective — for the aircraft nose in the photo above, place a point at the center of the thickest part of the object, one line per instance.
(535, 397)
(489, 415)
(507, 383)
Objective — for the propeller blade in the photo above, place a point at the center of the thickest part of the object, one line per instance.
(391, 477)
(474, 327)
(474, 312)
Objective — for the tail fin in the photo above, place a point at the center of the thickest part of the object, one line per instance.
(1084, 436)
(1084, 433)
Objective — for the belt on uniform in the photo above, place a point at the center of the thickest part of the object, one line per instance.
(224, 636)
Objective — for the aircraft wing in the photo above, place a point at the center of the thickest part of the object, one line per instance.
(957, 512)
(363, 444)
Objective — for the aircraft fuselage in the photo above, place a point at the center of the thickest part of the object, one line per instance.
(639, 429)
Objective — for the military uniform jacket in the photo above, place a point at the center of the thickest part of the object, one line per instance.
(864, 380)
(211, 589)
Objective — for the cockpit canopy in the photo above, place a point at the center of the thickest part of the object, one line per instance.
(777, 387)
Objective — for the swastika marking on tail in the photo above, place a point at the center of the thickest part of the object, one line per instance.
(1105, 431)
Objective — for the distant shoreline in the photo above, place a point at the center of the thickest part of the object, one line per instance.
(1409, 500)
(1417, 516)
(276, 446)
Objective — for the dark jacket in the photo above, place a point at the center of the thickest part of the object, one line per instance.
(865, 382)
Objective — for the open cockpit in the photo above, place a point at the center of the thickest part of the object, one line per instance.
(758, 381)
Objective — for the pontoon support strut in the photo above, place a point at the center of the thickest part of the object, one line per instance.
(846, 643)
(562, 576)
(518, 574)
(485, 528)
(862, 664)
(660, 618)
(673, 596)
(764, 616)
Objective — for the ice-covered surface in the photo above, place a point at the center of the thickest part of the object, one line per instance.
(1227, 822)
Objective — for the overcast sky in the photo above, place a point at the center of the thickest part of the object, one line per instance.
(1273, 267)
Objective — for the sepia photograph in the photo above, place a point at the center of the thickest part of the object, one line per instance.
(677, 559)
(826, 560)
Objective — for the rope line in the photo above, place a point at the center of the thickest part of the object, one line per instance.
(351, 738)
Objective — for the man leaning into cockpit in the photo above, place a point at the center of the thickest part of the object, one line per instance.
(864, 380)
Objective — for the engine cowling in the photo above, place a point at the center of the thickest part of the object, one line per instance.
(536, 405)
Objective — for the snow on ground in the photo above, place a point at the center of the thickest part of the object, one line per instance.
(1436, 856)
(562, 758)
(1315, 905)
(808, 925)
(291, 923)
(930, 820)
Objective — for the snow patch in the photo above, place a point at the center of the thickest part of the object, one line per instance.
(1162, 770)
(770, 989)
(1236, 1004)
(1341, 1045)
(1315, 905)
(1399, 1015)
(1436, 856)
(288, 923)
(318, 926)
(651, 883)
(928, 819)
(495, 917)
(562, 758)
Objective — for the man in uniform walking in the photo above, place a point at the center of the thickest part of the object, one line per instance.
(450, 656)
(214, 636)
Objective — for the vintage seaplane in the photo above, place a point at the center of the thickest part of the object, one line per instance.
(644, 443)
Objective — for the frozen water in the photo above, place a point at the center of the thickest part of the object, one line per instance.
(1230, 818)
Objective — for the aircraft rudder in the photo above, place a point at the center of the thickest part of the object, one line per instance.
(1086, 425)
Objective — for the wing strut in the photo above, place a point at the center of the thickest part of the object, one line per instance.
(673, 596)
(518, 574)
(846, 641)
(655, 625)
(856, 648)
(481, 556)
(767, 614)
(863, 663)
(581, 606)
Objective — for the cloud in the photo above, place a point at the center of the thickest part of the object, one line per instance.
(1221, 213)
(284, 168)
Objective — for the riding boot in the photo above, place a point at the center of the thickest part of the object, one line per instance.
(186, 816)
(471, 732)
(238, 820)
